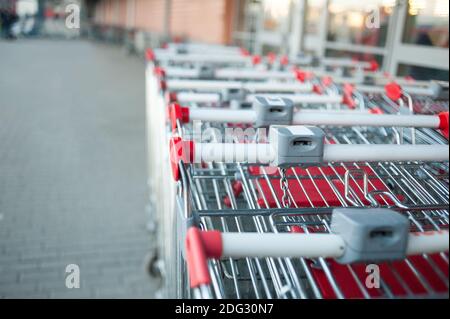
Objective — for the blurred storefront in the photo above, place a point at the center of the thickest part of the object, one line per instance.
(197, 20)
(42, 17)
(400, 35)
(8, 4)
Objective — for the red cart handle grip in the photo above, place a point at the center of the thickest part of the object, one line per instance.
(327, 81)
(347, 97)
(302, 76)
(284, 60)
(150, 55)
(393, 91)
(374, 66)
(271, 57)
(200, 246)
(245, 52)
(180, 150)
(256, 59)
(178, 113)
(237, 188)
(444, 123)
(171, 97)
(159, 72)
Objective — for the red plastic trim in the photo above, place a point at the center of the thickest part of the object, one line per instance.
(159, 72)
(199, 247)
(180, 150)
(171, 97)
(348, 88)
(393, 91)
(175, 153)
(162, 85)
(212, 241)
(327, 81)
(284, 60)
(185, 115)
(444, 123)
(374, 66)
(196, 259)
(319, 193)
(178, 113)
(297, 229)
(150, 55)
(376, 110)
(348, 100)
(317, 89)
(245, 52)
(302, 76)
(271, 57)
(256, 59)
(237, 190)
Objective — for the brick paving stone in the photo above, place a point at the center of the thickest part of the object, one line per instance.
(72, 171)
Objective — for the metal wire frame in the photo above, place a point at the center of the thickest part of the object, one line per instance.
(418, 190)
(288, 278)
(420, 104)
(413, 105)
(334, 135)
(402, 186)
(399, 185)
(197, 65)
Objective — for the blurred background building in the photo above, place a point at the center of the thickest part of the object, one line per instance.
(405, 37)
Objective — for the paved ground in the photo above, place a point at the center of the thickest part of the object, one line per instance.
(72, 170)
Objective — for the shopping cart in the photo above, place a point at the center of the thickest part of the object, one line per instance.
(260, 220)
(329, 186)
(244, 201)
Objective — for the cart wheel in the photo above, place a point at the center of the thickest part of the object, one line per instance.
(153, 265)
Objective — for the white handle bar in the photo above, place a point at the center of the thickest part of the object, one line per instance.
(259, 245)
(191, 97)
(252, 74)
(413, 90)
(201, 58)
(362, 119)
(339, 62)
(350, 118)
(248, 86)
(265, 154)
(303, 98)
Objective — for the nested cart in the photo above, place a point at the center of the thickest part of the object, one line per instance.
(277, 186)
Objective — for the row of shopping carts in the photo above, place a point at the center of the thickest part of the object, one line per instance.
(277, 177)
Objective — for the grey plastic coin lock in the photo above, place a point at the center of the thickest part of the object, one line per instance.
(207, 72)
(273, 111)
(232, 94)
(294, 145)
(437, 90)
(181, 49)
(442, 91)
(371, 235)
